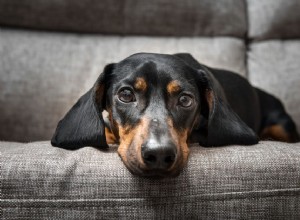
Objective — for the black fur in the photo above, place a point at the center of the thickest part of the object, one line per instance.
(228, 111)
(83, 125)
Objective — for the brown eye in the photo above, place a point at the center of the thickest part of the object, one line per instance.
(126, 96)
(185, 101)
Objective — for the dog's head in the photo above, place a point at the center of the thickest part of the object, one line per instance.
(155, 103)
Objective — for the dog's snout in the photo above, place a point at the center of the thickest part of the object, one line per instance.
(159, 156)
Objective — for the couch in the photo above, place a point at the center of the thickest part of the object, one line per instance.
(51, 52)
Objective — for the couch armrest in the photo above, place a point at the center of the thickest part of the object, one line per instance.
(235, 182)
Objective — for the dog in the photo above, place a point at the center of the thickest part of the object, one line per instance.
(158, 103)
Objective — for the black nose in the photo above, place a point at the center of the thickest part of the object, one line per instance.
(158, 156)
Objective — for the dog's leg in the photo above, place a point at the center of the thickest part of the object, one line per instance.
(276, 124)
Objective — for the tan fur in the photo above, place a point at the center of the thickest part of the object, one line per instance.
(140, 84)
(110, 137)
(132, 138)
(276, 132)
(137, 136)
(180, 138)
(173, 87)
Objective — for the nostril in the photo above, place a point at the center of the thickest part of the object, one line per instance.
(170, 159)
(150, 158)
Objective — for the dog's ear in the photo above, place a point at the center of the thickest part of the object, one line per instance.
(224, 126)
(219, 125)
(83, 125)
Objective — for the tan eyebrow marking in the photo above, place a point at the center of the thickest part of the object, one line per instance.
(173, 87)
(140, 84)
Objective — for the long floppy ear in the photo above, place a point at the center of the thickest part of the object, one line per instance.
(83, 125)
(220, 125)
(224, 126)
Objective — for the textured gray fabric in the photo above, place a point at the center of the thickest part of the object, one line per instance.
(275, 67)
(269, 19)
(156, 17)
(43, 74)
(236, 182)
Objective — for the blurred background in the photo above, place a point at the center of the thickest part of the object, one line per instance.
(52, 51)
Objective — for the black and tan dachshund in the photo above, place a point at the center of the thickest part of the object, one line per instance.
(159, 103)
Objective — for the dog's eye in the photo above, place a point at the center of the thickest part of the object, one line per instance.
(126, 95)
(185, 101)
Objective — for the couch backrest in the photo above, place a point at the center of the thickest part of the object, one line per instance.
(273, 57)
(43, 73)
(130, 17)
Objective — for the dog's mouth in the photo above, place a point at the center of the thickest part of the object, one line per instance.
(153, 173)
(157, 173)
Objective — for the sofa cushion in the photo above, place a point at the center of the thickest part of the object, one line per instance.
(156, 17)
(270, 19)
(43, 74)
(274, 66)
(235, 182)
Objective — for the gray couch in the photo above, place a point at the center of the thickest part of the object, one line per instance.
(51, 52)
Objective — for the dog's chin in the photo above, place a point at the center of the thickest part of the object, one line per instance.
(154, 173)
(158, 174)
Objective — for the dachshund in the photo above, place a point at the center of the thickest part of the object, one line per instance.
(157, 104)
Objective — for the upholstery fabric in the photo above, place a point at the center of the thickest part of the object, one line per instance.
(43, 74)
(236, 182)
(143, 17)
(274, 66)
(271, 19)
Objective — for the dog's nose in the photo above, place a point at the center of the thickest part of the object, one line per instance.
(158, 156)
